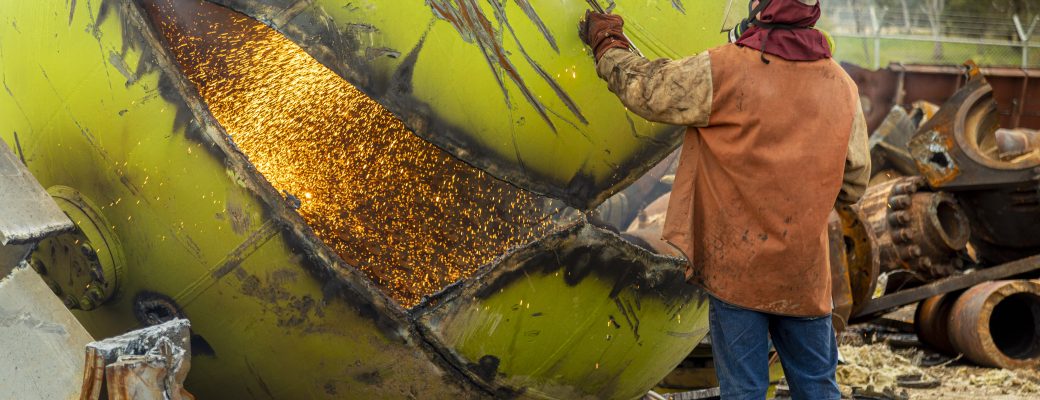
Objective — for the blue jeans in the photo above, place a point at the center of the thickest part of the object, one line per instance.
(740, 344)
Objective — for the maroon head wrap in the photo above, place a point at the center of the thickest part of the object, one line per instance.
(784, 29)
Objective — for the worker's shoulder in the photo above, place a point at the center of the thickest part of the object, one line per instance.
(839, 72)
(728, 49)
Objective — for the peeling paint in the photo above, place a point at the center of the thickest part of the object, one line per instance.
(678, 4)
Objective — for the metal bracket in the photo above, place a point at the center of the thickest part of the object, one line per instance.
(887, 303)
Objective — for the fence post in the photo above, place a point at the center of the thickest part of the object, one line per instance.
(1024, 35)
(875, 23)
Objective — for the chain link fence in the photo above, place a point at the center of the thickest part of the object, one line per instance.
(872, 34)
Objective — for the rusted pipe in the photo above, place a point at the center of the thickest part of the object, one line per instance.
(940, 224)
(997, 324)
(931, 321)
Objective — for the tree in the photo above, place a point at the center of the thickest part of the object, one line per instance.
(933, 9)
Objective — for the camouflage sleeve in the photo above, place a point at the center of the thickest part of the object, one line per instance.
(857, 162)
(676, 92)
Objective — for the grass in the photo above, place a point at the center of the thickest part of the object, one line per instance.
(861, 52)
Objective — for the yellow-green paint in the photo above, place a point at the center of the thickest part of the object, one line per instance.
(90, 103)
(580, 315)
(453, 94)
(562, 341)
(180, 211)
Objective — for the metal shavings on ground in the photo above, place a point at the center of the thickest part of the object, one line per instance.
(877, 366)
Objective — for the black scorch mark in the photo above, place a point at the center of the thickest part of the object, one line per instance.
(679, 6)
(471, 22)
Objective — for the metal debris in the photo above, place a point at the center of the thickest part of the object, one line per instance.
(958, 151)
(1017, 145)
(877, 372)
(931, 321)
(919, 234)
(147, 364)
(995, 324)
(27, 212)
(956, 204)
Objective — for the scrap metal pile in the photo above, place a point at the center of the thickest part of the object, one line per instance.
(954, 192)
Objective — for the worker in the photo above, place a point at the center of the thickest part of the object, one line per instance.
(776, 139)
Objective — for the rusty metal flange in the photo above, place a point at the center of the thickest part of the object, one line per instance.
(83, 267)
(919, 233)
(931, 321)
(997, 324)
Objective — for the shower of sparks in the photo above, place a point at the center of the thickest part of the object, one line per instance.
(407, 214)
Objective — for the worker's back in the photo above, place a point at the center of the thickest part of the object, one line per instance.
(761, 178)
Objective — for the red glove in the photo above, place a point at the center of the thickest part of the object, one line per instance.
(603, 32)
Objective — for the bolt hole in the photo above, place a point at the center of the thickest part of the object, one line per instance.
(952, 223)
(154, 309)
(1015, 326)
(940, 159)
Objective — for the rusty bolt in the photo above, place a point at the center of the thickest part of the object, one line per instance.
(84, 303)
(903, 236)
(899, 202)
(905, 188)
(88, 251)
(909, 252)
(899, 218)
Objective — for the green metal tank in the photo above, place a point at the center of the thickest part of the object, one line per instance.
(353, 199)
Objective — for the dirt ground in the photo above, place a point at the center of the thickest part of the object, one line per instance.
(878, 368)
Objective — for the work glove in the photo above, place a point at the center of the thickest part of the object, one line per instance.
(602, 32)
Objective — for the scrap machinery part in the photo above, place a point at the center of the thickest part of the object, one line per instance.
(919, 234)
(862, 258)
(957, 148)
(997, 324)
(27, 212)
(85, 267)
(647, 230)
(888, 143)
(931, 321)
(621, 209)
(957, 151)
(212, 200)
(1015, 143)
(841, 284)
